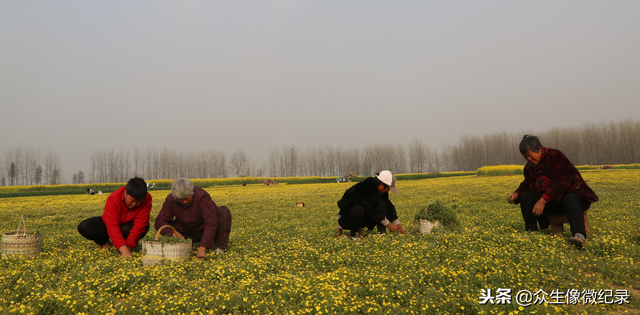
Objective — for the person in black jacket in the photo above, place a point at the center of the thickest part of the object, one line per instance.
(367, 204)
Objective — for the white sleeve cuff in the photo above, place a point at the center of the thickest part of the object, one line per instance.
(385, 222)
(396, 222)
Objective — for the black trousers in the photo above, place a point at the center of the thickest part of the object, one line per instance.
(354, 220)
(571, 205)
(94, 229)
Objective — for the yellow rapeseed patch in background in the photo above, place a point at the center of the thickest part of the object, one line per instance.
(500, 170)
(284, 259)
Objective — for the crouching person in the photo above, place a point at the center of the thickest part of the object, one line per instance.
(190, 210)
(367, 204)
(551, 185)
(125, 219)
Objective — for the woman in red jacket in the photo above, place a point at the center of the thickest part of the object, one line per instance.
(125, 219)
(551, 185)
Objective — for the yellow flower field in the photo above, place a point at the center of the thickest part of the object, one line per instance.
(283, 259)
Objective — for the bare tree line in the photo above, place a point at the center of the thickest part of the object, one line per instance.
(25, 166)
(111, 166)
(335, 161)
(615, 142)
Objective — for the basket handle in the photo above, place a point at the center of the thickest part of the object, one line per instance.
(24, 225)
(162, 227)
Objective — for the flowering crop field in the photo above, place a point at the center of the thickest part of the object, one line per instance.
(284, 259)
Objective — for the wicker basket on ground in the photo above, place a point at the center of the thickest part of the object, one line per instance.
(425, 226)
(20, 242)
(156, 251)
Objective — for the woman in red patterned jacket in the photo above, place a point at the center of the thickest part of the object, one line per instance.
(551, 185)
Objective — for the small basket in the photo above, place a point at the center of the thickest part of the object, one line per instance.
(20, 242)
(425, 226)
(155, 251)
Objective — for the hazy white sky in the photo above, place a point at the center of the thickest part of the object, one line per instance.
(76, 76)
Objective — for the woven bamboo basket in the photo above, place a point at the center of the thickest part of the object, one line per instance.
(20, 242)
(155, 251)
(425, 226)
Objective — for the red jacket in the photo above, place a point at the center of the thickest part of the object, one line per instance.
(117, 213)
(564, 177)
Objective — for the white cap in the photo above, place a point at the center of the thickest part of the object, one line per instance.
(388, 179)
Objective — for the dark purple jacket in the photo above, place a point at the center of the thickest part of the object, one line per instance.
(564, 177)
(201, 215)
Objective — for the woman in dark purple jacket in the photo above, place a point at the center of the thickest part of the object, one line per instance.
(551, 185)
(190, 210)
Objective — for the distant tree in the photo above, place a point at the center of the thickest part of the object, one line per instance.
(417, 156)
(73, 181)
(3, 181)
(330, 159)
(238, 160)
(80, 177)
(12, 174)
(352, 156)
(137, 161)
(30, 163)
(38, 175)
(399, 160)
(55, 175)
(274, 157)
(51, 163)
(218, 163)
(290, 155)
(16, 156)
(263, 168)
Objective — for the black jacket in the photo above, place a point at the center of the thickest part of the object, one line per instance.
(377, 207)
